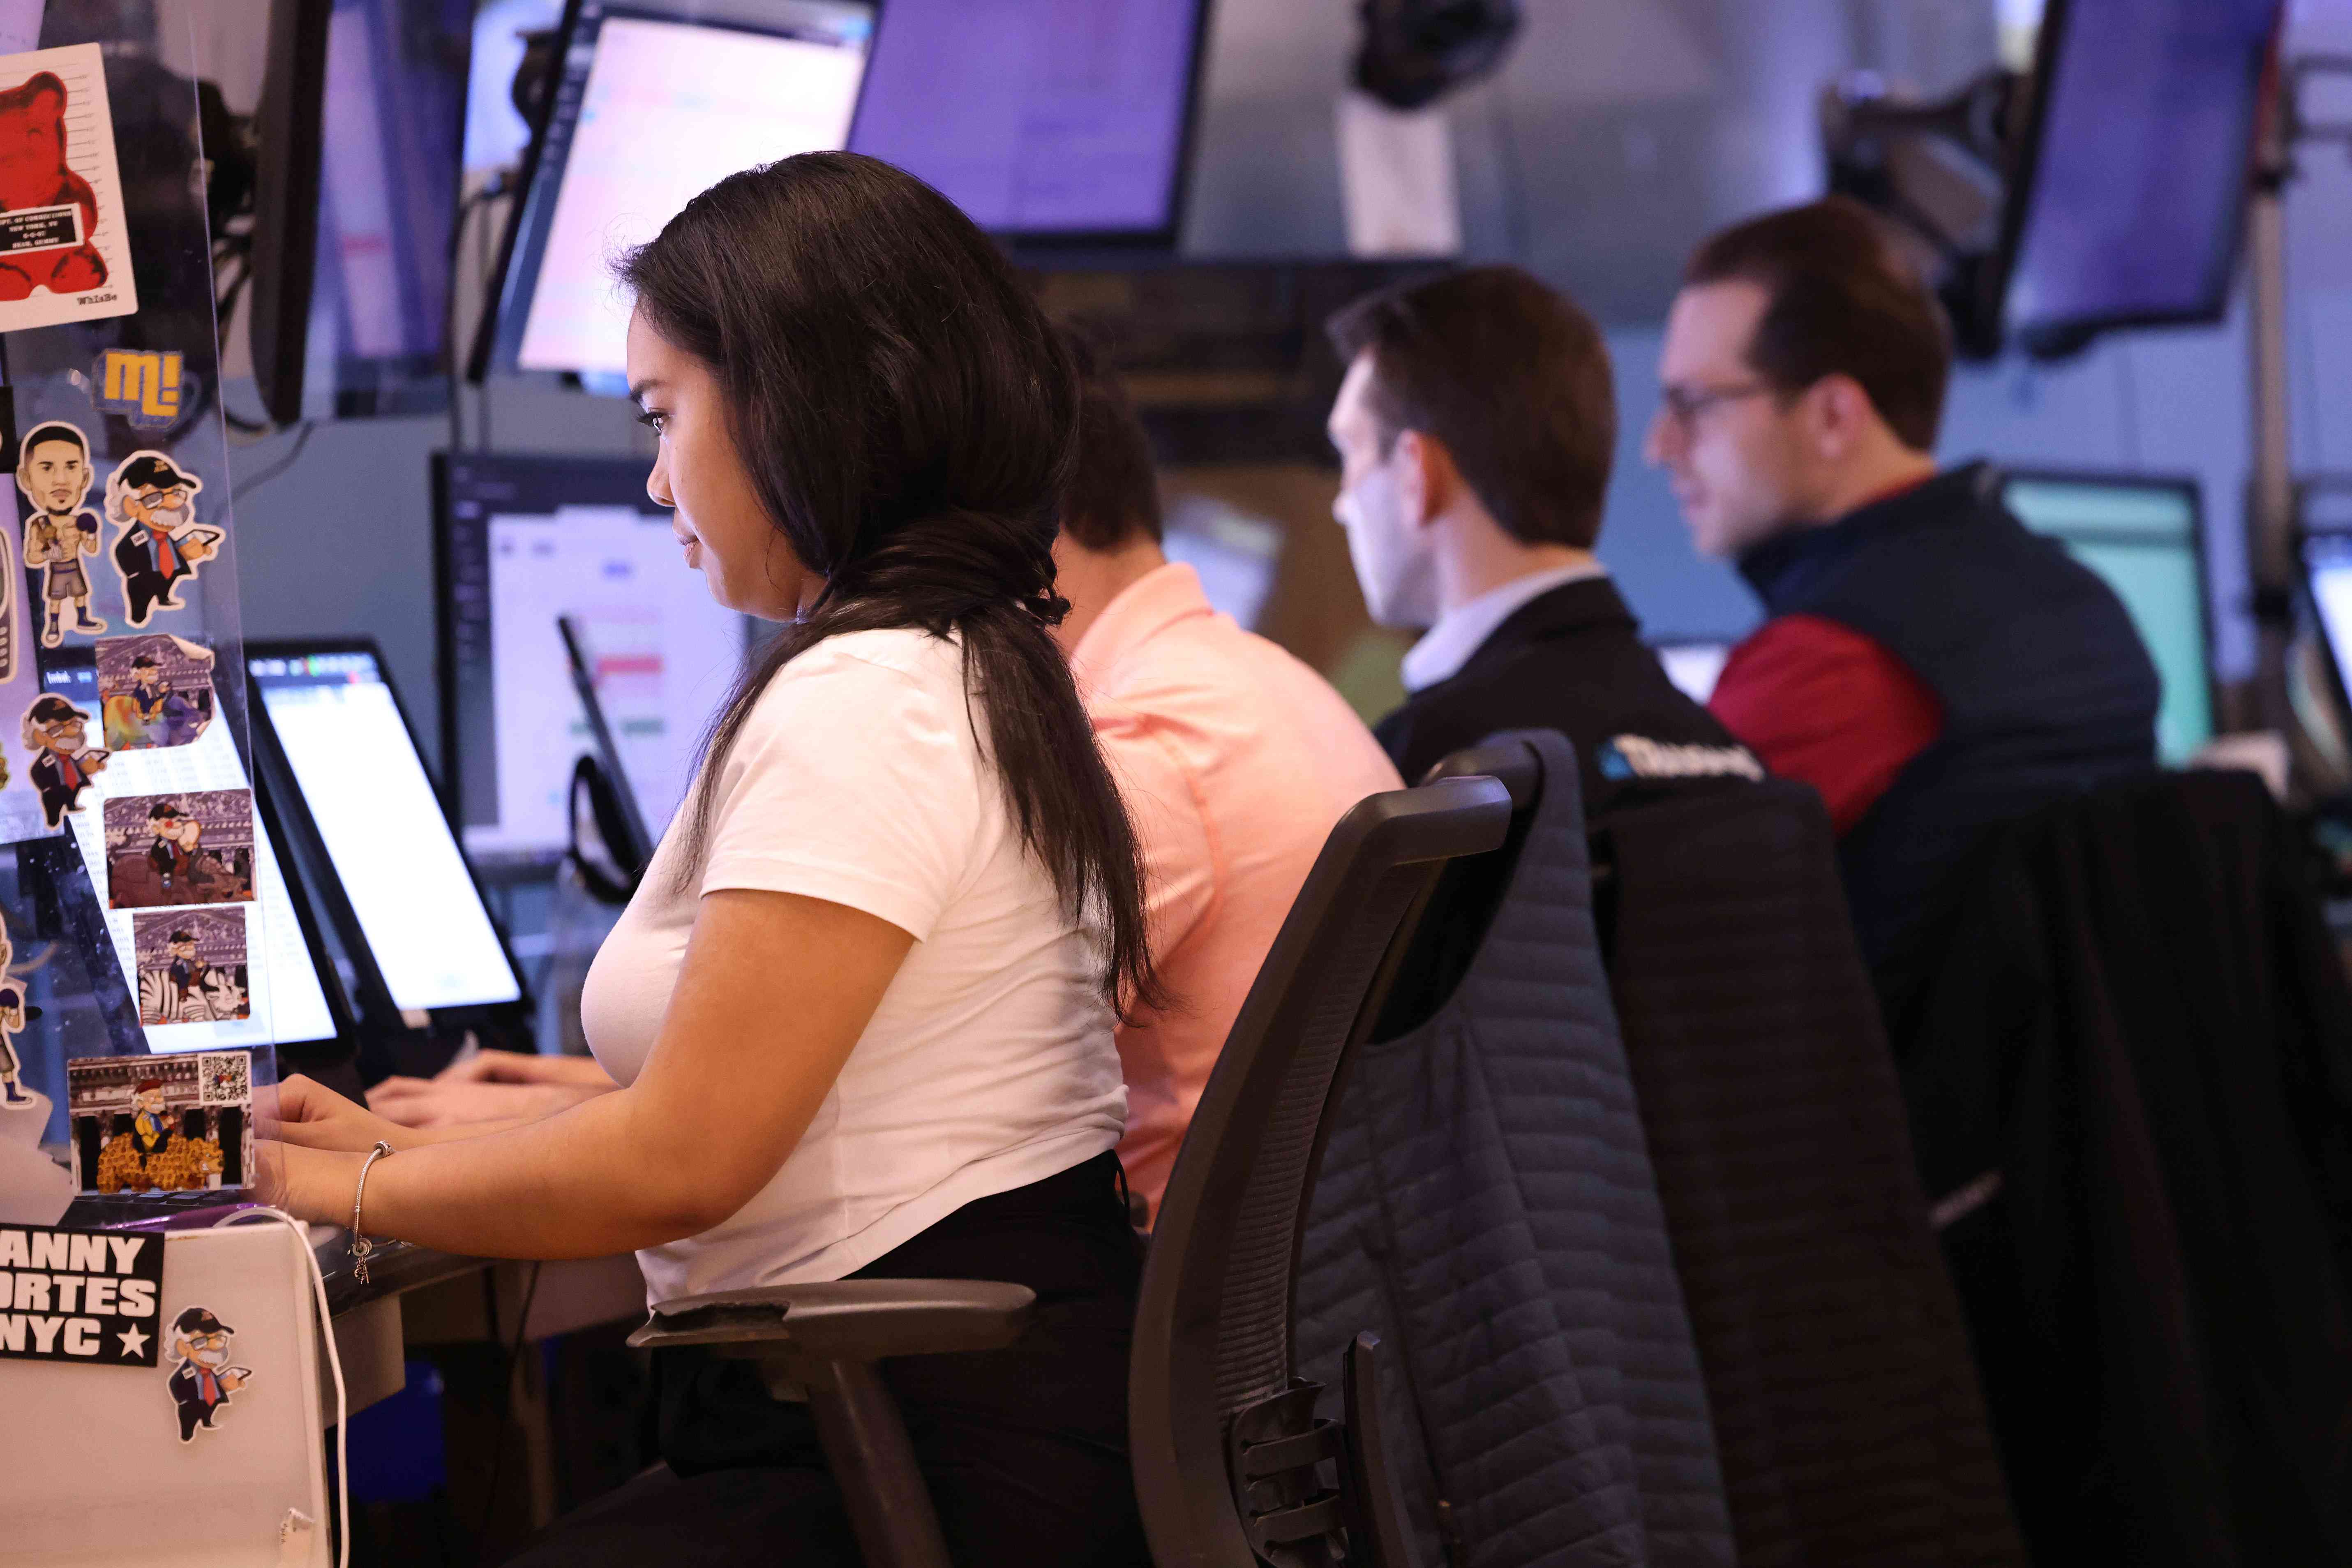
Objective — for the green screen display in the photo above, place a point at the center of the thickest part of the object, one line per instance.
(2141, 536)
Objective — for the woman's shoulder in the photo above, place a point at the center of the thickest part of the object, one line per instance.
(899, 675)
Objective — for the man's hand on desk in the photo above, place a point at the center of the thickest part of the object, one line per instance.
(432, 1103)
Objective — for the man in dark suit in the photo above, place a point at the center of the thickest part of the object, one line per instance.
(59, 733)
(204, 1379)
(160, 543)
(1475, 430)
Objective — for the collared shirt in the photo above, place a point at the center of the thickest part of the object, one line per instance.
(1234, 760)
(1448, 644)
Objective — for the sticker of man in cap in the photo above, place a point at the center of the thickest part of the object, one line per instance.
(203, 1381)
(13, 1013)
(53, 470)
(58, 734)
(160, 540)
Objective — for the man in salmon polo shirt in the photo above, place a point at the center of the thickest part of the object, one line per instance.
(1236, 761)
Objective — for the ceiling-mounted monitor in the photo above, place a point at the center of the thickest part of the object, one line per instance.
(653, 103)
(1063, 122)
(2135, 168)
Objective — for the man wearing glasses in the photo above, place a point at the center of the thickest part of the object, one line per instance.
(1929, 664)
(1476, 430)
(160, 540)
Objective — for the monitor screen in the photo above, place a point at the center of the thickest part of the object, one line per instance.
(523, 541)
(1235, 554)
(1043, 117)
(2132, 209)
(2142, 537)
(2328, 562)
(366, 790)
(388, 160)
(286, 1004)
(655, 102)
(1694, 667)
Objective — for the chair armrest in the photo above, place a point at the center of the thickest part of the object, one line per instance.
(849, 1319)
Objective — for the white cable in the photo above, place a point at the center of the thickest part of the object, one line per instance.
(334, 1365)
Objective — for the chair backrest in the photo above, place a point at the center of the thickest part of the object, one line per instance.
(1213, 1324)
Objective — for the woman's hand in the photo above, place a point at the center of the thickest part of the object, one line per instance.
(517, 1067)
(316, 1117)
(313, 1184)
(436, 1103)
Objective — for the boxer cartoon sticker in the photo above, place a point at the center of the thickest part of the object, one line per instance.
(53, 470)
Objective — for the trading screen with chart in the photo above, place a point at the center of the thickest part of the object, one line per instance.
(529, 539)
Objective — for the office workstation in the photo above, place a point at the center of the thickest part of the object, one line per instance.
(1144, 781)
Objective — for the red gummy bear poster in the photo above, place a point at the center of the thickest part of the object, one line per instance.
(65, 255)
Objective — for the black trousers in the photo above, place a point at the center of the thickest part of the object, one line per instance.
(1025, 1448)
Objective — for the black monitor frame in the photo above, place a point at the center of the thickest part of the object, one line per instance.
(2187, 485)
(1031, 246)
(495, 1022)
(497, 332)
(2060, 338)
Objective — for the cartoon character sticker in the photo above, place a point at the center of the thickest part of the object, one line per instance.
(13, 1015)
(175, 1123)
(153, 690)
(53, 470)
(64, 248)
(191, 966)
(160, 543)
(192, 847)
(58, 733)
(203, 1382)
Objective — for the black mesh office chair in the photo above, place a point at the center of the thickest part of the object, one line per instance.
(1226, 1442)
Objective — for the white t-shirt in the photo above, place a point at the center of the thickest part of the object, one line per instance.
(989, 1064)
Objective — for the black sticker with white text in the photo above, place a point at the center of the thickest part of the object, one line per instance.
(89, 1296)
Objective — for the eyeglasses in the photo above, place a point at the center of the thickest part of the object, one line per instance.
(169, 501)
(1683, 405)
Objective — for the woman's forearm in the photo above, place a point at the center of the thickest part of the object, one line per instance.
(576, 1184)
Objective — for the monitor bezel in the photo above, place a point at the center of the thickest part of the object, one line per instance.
(503, 1016)
(2189, 485)
(1031, 247)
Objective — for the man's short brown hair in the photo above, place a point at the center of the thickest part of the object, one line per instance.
(1844, 301)
(1113, 494)
(1513, 378)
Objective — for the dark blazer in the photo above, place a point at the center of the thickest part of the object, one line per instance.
(1847, 1417)
(2130, 1086)
(1570, 660)
(57, 797)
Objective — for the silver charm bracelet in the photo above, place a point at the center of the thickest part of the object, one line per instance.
(361, 1248)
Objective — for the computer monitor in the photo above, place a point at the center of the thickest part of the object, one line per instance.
(1066, 121)
(293, 1004)
(2131, 191)
(657, 100)
(367, 801)
(1693, 664)
(2146, 537)
(521, 542)
(1236, 555)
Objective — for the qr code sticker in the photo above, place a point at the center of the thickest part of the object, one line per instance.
(225, 1077)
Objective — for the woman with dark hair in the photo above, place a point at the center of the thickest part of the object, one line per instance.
(859, 1014)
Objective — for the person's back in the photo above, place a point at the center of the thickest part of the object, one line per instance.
(1929, 666)
(1235, 760)
(1475, 429)
(2040, 685)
